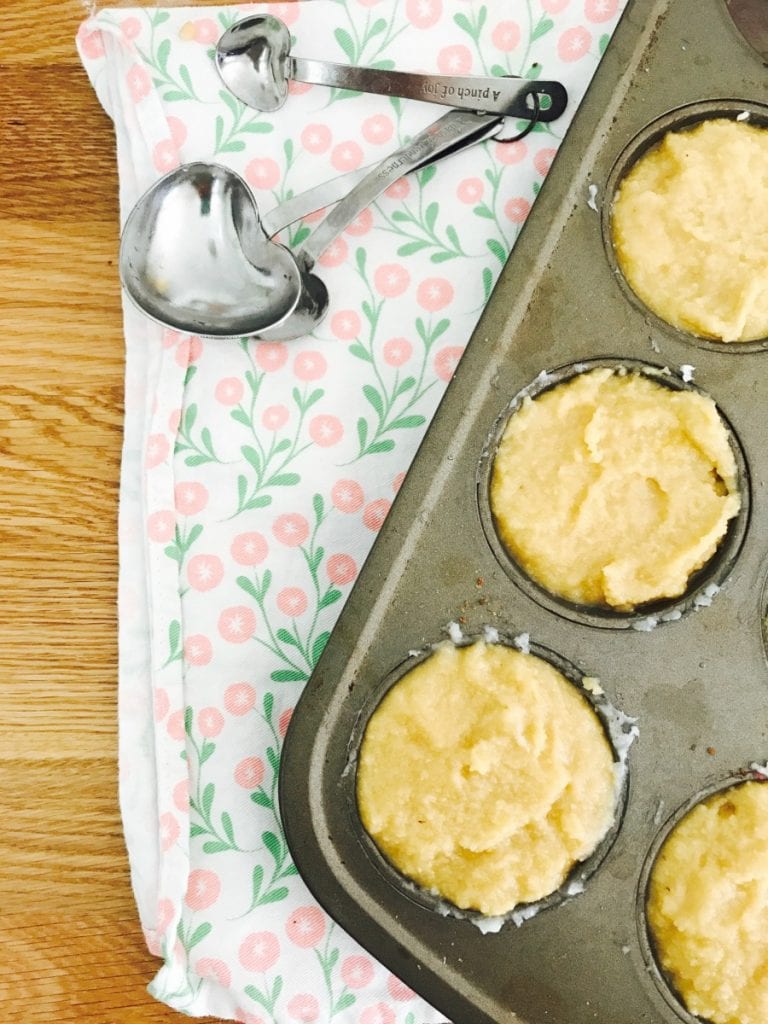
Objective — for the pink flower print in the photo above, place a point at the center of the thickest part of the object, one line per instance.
(91, 43)
(304, 1007)
(191, 498)
(316, 138)
(291, 529)
(345, 325)
(341, 569)
(157, 450)
(161, 703)
(574, 43)
(237, 624)
(206, 31)
(397, 483)
(378, 129)
(262, 172)
(205, 572)
(378, 1014)
(165, 156)
(165, 914)
(174, 419)
(434, 294)
(347, 156)
(470, 191)
(305, 927)
(600, 10)
(369, 3)
(292, 601)
(455, 60)
(203, 888)
(347, 496)
(399, 189)
(375, 513)
(399, 990)
(506, 36)
(284, 721)
(397, 351)
(271, 355)
(239, 698)
(357, 971)
(296, 88)
(259, 951)
(249, 773)
(138, 81)
(335, 254)
(446, 361)
(170, 338)
(161, 526)
(275, 416)
(510, 152)
(361, 225)
(189, 350)
(517, 209)
(543, 160)
(214, 970)
(391, 280)
(423, 13)
(554, 6)
(175, 726)
(181, 795)
(229, 391)
(169, 831)
(249, 548)
(286, 12)
(178, 130)
(210, 722)
(325, 430)
(310, 365)
(198, 649)
(131, 28)
(243, 1017)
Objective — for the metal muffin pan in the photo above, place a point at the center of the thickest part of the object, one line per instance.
(696, 684)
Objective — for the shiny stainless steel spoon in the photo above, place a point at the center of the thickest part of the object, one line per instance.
(255, 63)
(195, 255)
(196, 286)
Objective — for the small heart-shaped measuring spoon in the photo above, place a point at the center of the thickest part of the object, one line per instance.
(255, 63)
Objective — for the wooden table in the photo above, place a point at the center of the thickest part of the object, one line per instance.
(70, 941)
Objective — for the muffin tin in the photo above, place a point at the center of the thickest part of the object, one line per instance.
(694, 677)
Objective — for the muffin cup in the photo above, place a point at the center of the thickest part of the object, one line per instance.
(678, 120)
(620, 731)
(703, 584)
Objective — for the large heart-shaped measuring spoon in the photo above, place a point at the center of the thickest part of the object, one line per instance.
(255, 62)
(195, 256)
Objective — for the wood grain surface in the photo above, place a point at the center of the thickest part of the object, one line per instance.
(71, 948)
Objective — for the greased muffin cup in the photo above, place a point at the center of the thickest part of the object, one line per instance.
(692, 675)
(480, 735)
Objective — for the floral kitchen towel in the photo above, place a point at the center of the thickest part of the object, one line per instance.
(255, 476)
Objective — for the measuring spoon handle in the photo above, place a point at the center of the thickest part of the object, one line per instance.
(454, 131)
(513, 97)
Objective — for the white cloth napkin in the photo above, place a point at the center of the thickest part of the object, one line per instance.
(255, 476)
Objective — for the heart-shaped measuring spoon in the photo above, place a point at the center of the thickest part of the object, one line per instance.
(190, 286)
(195, 256)
(255, 63)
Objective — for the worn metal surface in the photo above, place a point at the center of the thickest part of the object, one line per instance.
(698, 686)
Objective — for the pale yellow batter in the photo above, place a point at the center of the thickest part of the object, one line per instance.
(690, 229)
(611, 489)
(484, 775)
(708, 907)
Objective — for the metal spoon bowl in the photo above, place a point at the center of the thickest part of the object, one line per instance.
(255, 62)
(195, 254)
